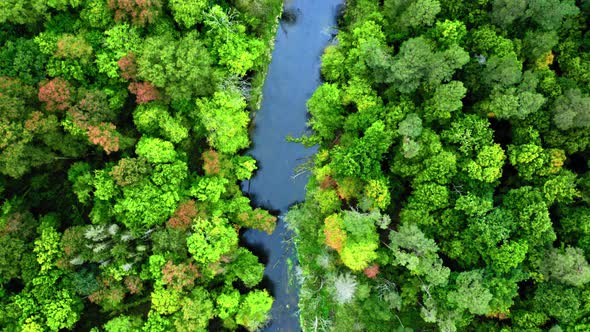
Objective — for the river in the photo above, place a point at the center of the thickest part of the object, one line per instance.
(293, 76)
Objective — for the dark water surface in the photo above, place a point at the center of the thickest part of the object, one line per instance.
(293, 76)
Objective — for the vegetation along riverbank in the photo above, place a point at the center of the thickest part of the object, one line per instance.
(122, 125)
(451, 190)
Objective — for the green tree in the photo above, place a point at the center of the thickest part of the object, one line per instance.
(361, 241)
(123, 323)
(549, 14)
(196, 311)
(253, 310)
(226, 119)
(572, 110)
(235, 50)
(506, 12)
(181, 67)
(22, 11)
(418, 254)
(471, 293)
(155, 150)
(502, 71)
(245, 267)
(405, 15)
(488, 164)
(557, 301)
(407, 74)
(188, 13)
(211, 240)
(445, 101)
(568, 266)
(325, 107)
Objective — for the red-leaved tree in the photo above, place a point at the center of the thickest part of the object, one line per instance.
(56, 94)
(179, 276)
(372, 271)
(128, 66)
(105, 135)
(183, 216)
(140, 12)
(144, 92)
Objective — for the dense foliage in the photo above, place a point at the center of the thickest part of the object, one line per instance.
(121, 125)
(451, 190)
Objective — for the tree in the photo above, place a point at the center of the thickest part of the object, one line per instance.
(123, 323)
(406, 15)
(56, 94)
(502, 71)
(47, 249)
(22, 11)
(227, 303)
(538, 44)
(407, 73)
(211, 240)
(549, 14)
(411, 126)
(155, 150)
(226, 119)
(429, 196)
(166, 301)
(354, 236)
(151, 201)
(22, 59)
(235, 50)
(325, 107)
(567, 266)
(73, 47)
(418, 254)
(572, 110)
(488, 164)
(471, 294)
(514, 104)
(470, 132)
(253, 310)
(448, 33)
(188, 13)
(144, 92)
(561, 188)
(505, 12)
(155, 119)
(139, 12)
(245, 266)
(362, 158)
(558, 301)
(129, 171)
(179, 276)
(345, 286)
(531, 214)
(445, 101)
(181, 67)
(196, 311)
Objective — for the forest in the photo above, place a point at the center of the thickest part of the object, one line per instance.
(451, 191)
(122, 130)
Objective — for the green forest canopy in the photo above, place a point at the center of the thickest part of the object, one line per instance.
(121, 124)
(451, 190)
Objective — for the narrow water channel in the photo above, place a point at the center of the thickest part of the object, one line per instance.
(293, 76)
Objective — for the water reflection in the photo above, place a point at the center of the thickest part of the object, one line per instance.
(306, 28)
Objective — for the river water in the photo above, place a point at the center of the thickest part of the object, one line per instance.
(293, 76)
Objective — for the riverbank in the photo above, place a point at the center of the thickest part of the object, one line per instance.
(293, 76)
(261, 68)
